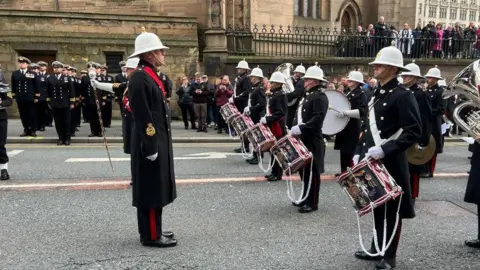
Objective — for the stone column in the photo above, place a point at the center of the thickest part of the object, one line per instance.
(215, 53)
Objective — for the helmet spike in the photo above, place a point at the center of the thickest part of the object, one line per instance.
(436, 66)
(393, 43)
(258, 66)
(413, 61)
(144, 30)
(316, 63)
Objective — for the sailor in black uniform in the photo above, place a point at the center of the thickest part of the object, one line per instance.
(295, 96)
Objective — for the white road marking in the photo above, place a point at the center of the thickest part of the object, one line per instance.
(14, 153)
(197, 156)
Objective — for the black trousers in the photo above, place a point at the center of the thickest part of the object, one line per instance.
(276, 169)
(85, 112)
(149, 223)
(379, 214)
(220, 121)
(49, 116)
(41, 110)
(62, 118)
(73, 119)
(3, 141)
(188, 108)
(107, 114)
(27, 112)
(94, 121)
(312, 197)
(345, 161)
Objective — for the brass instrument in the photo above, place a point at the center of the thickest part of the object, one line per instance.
(466, 84)
(418, 156)
(287, 70)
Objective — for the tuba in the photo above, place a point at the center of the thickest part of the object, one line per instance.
(287, 70)
(466, 85)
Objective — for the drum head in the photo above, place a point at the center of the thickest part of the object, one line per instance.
(334, 122)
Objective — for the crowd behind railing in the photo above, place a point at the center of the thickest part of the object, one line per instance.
(430, 41)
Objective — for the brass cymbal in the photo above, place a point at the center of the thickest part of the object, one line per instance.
(420, 157)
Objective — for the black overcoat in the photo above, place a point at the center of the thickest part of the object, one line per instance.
(472, 194)
(153, 181)
(314, 109)
(346, 140)
(438, 109)
(258, 102)
(395, 107)
(242, 90)
(277, 113)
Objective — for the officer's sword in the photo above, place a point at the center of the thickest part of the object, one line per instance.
(92, 75)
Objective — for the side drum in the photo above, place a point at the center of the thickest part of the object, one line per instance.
(228, 112)
(241, 124)
(261, 138)
(291, 154)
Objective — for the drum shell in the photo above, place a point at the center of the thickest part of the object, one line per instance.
(228, 112)
(241, 124)
(291, 154)
(261, 138)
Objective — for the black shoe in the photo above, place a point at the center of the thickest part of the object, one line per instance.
(364, 256)
(219, 131)
(426, 175)
(4, 176)
(199, 130)
(42, 129)
(33, 134)
(469, 243)
(267, 176)
(168, 234)
(67, 142)
(469, 157)
(253, 161)
(298, 204)
(273, 178)
(24, 134)
(76, 129)
(307, 209)
(385, 264)
(162, 242)
(186, 127)
(59, 142)
(92, 135)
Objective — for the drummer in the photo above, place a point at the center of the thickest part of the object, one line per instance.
(297, 94)
(308, 125)
(256, 103)
(393, 126)
(410, 79)
(240, 95)
(276, 117)
(346, 141)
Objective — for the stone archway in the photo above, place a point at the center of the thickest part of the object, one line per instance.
(349, 15)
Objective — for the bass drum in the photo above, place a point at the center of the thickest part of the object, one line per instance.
(335, 122)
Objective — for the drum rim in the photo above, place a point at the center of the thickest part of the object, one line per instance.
(349, 106)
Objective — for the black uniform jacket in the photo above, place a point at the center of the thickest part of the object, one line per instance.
(395, 107)
(153, 181)
(106, 96)
(60, 91)
(314, 110)
(296, 94)
(7, 101)
(24, 87)
(242, 90)
(89, 95)
(277, 113)
(41, 81)
(347, 139)
(258, 102)
(119, 94)
(425, 107)
(438, 109)
(472, 194)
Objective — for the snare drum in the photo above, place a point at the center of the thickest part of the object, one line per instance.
(291, 154)
(228, 112)
(369, 182)
(241, 124)
(261, 138)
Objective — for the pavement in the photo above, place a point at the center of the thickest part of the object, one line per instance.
(114, 134)
(65, 209)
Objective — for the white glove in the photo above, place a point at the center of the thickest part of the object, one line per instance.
(376, 152)
(95, 83)
(246, 110)
(355, 159)
(420, 148)
(296, 130)
(153, 157)
(263, 120)
(230, 100)
(352, 114)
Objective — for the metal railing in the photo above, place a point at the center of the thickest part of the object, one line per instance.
(310, 42)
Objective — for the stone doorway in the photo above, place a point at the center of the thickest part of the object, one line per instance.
(349, 16)
(35, 56)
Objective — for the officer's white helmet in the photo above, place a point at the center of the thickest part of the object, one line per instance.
(147, 42)
(300, 69)
(256, 72)
(442, 83)
(434, 73)
(355, 76)
(389, 56)
(132, 62)
(315, 73)
(414, 70)
(243, 65)
(277, 77)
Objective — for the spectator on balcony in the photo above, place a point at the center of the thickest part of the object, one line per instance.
(470, 36)
(477, 45)
(370, 41)
(359, 42)
(405, 41)
(447, 42)
(417, 45)
(437, 45)
(428, 39)
(457, 40)
(382, 34)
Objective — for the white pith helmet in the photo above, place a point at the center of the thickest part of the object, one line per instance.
(256, 72)
(315, 73)
(400, 79)
(414, 70)
(243, 65)
(147, 42)
(355, 76)
(442, 83)
(277, 77)
(434, 73)
(132, 62)
(300, 69)
(390, 56)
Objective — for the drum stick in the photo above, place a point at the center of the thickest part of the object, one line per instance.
(330, 108)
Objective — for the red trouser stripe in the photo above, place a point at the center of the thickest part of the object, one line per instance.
(415, 185)
(153, 225)
(433, 163)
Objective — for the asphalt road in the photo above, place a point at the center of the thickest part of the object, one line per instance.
(232, 225)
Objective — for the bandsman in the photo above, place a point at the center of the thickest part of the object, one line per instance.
(6, 100)
(241, 91)
(472, 193)
(25, 91)
(295, 96)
